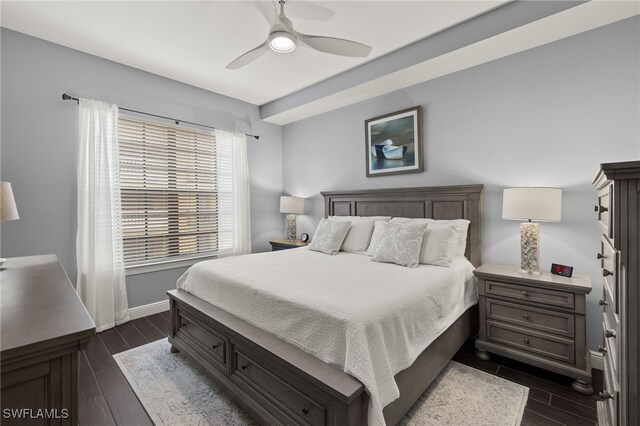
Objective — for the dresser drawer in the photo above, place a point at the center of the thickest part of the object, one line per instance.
(530, 294)
(531, 341)
(604, 210)
(536, 318)
(611, 343)
(610, 386)
(297, 407)
(207, 342)
(609, 266)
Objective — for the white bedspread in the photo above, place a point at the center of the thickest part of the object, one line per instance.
(370, 319)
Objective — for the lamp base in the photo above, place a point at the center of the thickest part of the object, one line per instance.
(291, 227)
(530, 248)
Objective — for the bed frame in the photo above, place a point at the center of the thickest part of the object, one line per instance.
(279, 384)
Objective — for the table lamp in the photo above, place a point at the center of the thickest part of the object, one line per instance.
(8, 210)
(539, 204)
(291, 206)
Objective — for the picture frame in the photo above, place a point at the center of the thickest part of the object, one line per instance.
(393, 143)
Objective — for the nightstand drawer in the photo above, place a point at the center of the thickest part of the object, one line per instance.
(535, 318)
(531, 341)
(530, 294)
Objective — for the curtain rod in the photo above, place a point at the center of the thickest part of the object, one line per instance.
(175, 120)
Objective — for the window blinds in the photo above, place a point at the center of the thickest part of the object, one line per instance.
(175, 184)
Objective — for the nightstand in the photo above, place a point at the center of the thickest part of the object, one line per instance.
(286, 244)
(536, 319)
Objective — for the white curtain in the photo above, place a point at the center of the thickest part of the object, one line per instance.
(234, 204)
(101, 277)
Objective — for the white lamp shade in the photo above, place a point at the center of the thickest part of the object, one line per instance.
(541, 204)
(8, 209)
(291, 205)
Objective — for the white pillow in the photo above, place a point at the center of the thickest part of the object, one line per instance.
(460, 225)
(360, 232)
(329, 236)
(399, 243)
(439, 245)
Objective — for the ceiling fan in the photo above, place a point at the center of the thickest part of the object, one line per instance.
(283, 39)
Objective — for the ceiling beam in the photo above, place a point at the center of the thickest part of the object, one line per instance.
(506, 30)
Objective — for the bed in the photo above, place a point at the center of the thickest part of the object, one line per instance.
(268, 374)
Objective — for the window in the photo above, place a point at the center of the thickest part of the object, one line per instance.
(176, 184)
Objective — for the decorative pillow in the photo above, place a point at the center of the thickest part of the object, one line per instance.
(461, 226)
(439, 245)
(400, 243)
(375, 237)
(329, 236)
(359, 235)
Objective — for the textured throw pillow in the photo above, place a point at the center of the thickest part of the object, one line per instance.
(329, 236)
(400, 243)
(375, 237)
(360, 231)
(439, 245)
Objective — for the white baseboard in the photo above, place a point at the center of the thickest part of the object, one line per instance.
(150, 309)
(597, 360)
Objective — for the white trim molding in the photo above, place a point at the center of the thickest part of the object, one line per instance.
(150, 309)
(597, 360)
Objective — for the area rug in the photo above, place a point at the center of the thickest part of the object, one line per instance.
(174, 391)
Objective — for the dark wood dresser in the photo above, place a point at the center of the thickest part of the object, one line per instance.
(44, 325)
(618, 212)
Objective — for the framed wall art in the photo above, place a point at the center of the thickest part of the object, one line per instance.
(393, 143)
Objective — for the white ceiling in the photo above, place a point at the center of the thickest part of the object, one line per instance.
(193, 41)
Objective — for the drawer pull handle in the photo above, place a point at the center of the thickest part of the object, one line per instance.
(525, 316)
(602, 349)
(526, 341)
(215, 346)
(606, 273)
(602, 303)
(305, 411)
(525, 294)
(609, 333)
(600, 209)
(599, 256)
(243, 367)
(604, 395)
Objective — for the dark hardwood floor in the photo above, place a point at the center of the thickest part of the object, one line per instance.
(105, 397)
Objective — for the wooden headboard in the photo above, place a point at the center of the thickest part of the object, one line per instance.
(435, 202)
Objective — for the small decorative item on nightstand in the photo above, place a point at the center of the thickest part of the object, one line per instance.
(286, 244)
(536, 319)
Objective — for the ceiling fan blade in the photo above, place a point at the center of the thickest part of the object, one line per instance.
(265, 8)
(310, 11)
(335, 46)
(248, 57)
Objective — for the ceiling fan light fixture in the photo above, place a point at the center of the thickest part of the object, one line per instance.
(282, 41)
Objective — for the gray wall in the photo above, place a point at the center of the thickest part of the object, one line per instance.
(40, 138)
(544, 117)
